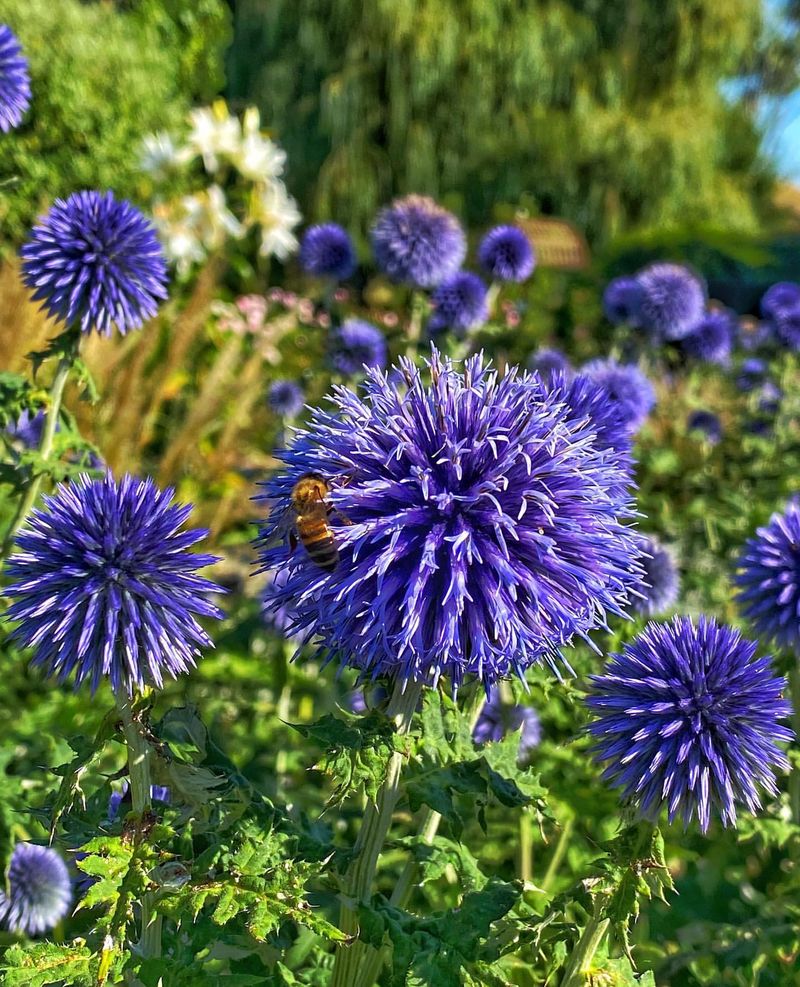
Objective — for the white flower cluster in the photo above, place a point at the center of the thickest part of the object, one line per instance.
(246, 189)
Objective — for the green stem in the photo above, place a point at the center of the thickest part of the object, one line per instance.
(358, 880)
(31, 492)
(415, 324)
(140, 786)
(558, 854)
(794, 777)
(581, 959)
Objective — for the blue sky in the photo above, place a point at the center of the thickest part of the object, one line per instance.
(782, 123)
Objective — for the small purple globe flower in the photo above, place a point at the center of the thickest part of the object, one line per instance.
(588, 401)
(28, 428)
(787, 328)
(506, 254)
(327, 251)
(712, 338)
(484, 526)
(95, 262)
(122, 796)
(105, 586)
(753, 335)
(626, 387)
(356, 344)
(751, 372)
(707, 423)
(546, 362)
(15, 81)
(768, 580)
(672, 301)
(39, 890)
(285, 397)
(621, 301)
(661, 583)
(688, 718)
(498, 718)
(417, 242)
(779, 299)
(459, 303)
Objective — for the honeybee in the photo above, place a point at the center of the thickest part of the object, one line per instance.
(310, 524)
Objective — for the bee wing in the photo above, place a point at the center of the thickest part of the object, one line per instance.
(280, 530)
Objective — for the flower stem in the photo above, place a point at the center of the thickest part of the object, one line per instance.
(31, 492)
(588, 944)
(140, 787)
(415, 324)
(358, 879)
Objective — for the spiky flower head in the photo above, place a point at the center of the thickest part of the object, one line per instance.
(546, 362)
(327, 251)
(356, 344)
(417, 242)
(506, 254)
(672, 302)
(95, 262)
(479, 527)
(768, 579)
(626, 387)
(706, 422)
(588, 401)
(459, 303)
(285, 397)
(498, 718)
(15, 81)
(779, 299)
(661, 583)
(712, 338)
(39, 890)
(688, 718)
(105, 587)
(621, 301)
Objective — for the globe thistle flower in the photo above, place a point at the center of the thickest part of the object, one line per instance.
(751, 372)
(417, 242)
(769, 398)
(105, 586)
(95, 262)
(285, 397)
(39, 890)
(15, 81)
(753, 335)
(588, 401)
(459, 303)
(672, 300)
(506, 254)
(356, 344)
(122, 796)
(779, 299)
(712, 339)
(658, 590)
(479, 527)
(626, 387)
(621, 301)
(787, 328)
(688, 718)
(498, 718)
(547, 362)
(706, 422)
(327, 251)
(768, 579)
(28, 428)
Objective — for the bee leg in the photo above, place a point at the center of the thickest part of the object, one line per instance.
(292, 542)
(338, 513)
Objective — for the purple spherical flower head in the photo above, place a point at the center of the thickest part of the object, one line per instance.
(672, 302)
(706, 422)
(105, 586)
(479, 526)
(327, 251)
(751, 372)
(95, 262)
(626, 387)
(687, 718)
(122, 796)
(659, 588)
(356, 344)
(418, 242)
(786, 327)
(779, 299)
(547, 362)
(621, 301)
(753, 335)
(497, 718)
(506, 254)
(285, 397)
(712, 339)
(768, 580)
(39, 890)
(588, 401)
(15, 82)
(459, 303)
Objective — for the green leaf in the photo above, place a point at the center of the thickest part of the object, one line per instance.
(42, 964)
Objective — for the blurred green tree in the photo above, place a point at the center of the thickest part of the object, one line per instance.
(102, 77)
(613, 113)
